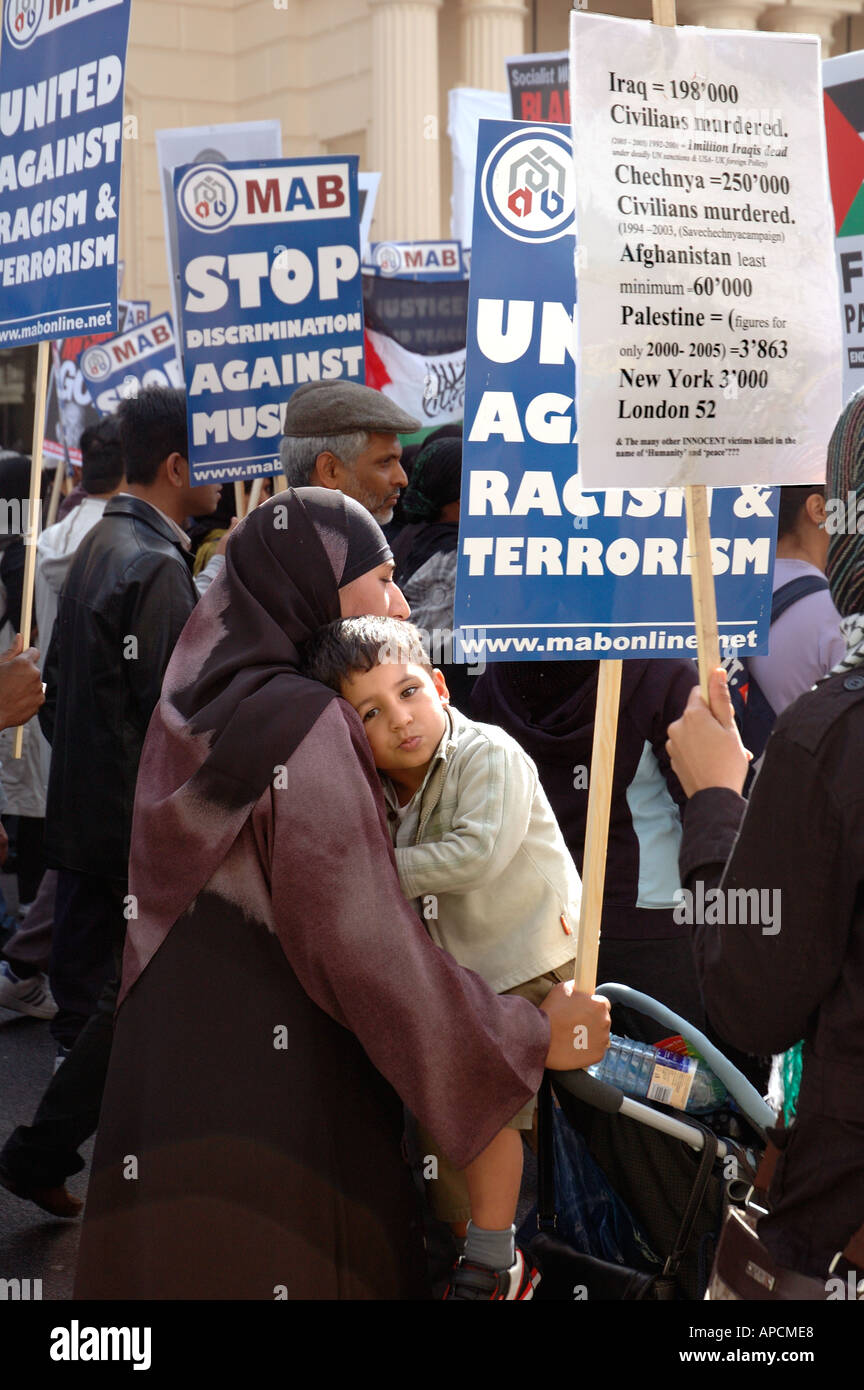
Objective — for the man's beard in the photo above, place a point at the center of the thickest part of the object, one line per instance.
(372, 502)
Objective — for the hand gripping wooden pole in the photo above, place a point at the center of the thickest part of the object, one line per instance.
(702, 580)
(31, 534)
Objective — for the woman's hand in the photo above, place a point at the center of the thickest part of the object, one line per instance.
(578, 1027)
(704, 745)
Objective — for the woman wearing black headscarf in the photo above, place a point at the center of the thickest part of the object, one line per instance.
(278, 990)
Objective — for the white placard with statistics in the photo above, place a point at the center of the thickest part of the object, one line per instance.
(710, 347)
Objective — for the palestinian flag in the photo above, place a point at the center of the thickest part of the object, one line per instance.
(844, 130)
(415, 345)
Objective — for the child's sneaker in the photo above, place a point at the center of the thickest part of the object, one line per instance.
(30, 996)
(476, 1281)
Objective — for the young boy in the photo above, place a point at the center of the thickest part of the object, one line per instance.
(476, 841)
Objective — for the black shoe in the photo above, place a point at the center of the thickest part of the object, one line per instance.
(56, 1200)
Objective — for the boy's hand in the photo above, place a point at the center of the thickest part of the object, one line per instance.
(578, 1027)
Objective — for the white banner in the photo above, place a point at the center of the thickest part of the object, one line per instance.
(465, 108)
(709, 335)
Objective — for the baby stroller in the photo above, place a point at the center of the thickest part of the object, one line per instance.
(675, 1172)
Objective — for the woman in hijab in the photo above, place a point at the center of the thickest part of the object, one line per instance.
(278, 990)
(794, 970)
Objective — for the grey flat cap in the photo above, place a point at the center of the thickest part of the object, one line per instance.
(341, 407)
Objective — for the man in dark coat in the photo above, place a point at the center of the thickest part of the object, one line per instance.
(125, 602)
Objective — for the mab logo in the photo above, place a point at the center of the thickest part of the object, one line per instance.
(96, 363)
(528, 185)
(21, 20)
(24, 20)
(207, 197)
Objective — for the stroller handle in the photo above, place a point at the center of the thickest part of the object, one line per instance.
(583, 1086)
(599, 1094)
(754, 1107)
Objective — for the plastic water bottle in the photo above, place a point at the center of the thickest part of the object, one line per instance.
(640, 1070)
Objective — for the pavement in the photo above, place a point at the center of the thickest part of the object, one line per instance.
(33, 1245)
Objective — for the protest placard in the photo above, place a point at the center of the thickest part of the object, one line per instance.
(540, 87)
(70, 405)
(133, 311)
(707, 313)
(546, 569)
(415, 260)
(843, 81)
(145, 355)
(61, 123)
(271, 297)
(207, 144)
(367, 196)
(415, 344)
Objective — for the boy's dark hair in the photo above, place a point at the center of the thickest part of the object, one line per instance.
(101, 456)
(792, 499)
(352, 645)
(152, 426)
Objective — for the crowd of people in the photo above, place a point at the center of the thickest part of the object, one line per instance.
(299, 904)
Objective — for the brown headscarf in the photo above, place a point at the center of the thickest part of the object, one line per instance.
(234, 705)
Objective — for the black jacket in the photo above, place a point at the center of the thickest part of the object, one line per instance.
(800, 841)
(123, 606)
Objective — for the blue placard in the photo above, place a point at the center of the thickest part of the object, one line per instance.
(270, 298)
(145, 355)
(544, 569)
(61, 133)
(417, 260)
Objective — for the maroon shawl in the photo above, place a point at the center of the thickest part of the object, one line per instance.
(234, 705)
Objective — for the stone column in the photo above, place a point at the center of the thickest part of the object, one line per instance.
(492, 31)
(809, 18)
(405, 119)
(715, 14)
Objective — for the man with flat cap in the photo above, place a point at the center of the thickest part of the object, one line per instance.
(344, 436)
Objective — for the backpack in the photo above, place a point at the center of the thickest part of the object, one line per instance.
(754, 714)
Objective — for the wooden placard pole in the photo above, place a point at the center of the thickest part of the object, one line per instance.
(32, 533)
(255, 494)
(239, 501)
(279, 483)
(597, 823)
(608, 697)
(56, 493)
(696, 502)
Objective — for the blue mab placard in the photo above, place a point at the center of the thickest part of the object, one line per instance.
(545, 569)
(270, 297)
(61, 133)
(145, 355)
(417, 260)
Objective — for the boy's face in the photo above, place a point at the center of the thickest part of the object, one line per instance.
(403, 715)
